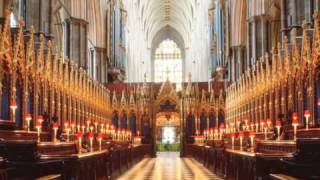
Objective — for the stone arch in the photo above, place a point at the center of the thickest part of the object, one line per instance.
(168, 32)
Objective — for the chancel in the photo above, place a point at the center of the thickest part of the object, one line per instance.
(159, 89)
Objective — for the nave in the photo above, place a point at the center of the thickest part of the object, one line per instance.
(168, 166)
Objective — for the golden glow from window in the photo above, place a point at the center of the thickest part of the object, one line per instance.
(168, 62)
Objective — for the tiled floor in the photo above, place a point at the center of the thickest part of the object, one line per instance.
(168, 166)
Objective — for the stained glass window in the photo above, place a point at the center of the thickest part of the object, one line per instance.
(168, 62)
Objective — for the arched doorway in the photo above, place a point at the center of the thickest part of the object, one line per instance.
(167, 119)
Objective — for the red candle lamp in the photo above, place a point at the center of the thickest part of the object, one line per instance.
(13, 106)
(91, 136)
(307, 115)
(252, 134)
(241, 135)
(40, 118)
(67, 128)
(295, 124)
(28, 118)
(99, 137)
(265, 128)
(278, 126)
(80, 136)
(55, 130)
(38, 126)
(232, 135)
(268, 120)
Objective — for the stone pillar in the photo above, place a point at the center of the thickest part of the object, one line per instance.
(283, 19)
(308, 10)
(38, 14)
(253, 43)
(1, 9)
(239, 62)
(264, 35)
(316, 5)
(293, 13)
(248, 57)
(78, 41)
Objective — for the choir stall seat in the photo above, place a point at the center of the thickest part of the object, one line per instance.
(305, 163)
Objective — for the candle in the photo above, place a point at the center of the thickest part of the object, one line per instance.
(246, 124)
(118, 134)
(232, 127)
(13, 106)
(80, 135)
(265, 128)
(96, 126)
(83, 128)
(241, 134)
(307, 115)
(102, 130)
(269, 122)
(261, 125)
(73, 128)
(38, 127)
(123, 135)
(90, 136)
(55, 129)
(257, 126)
(227, 128)
(28, 119)
(66, 126)
(232, 135)
(88, 125)
(99, 137)
(295, 124)
(238, 125)
(251, 126)
(221, 130)
(278, 126)
(252, 135)
(40, 118)
(205, 134)
(91, 128)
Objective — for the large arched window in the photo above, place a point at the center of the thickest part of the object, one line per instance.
(168, 62)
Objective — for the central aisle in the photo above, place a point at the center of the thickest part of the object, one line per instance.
(168, 166)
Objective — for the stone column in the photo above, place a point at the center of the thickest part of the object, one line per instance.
(293, 12)
(239, 62)
(283, 19)
(253, 43)
(264, 35)
(1, 8)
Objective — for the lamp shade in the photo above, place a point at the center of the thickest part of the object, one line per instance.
(28, 117)
(241, 134)
(252, 133)
(307, 113)
(278, 123)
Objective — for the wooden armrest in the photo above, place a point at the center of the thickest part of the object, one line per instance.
(50, 177)
(56, 157)
(282, 177)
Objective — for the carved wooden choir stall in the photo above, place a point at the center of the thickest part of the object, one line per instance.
(271, 128)
(56, 120)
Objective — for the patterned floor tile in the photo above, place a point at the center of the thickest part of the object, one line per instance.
(168, 166)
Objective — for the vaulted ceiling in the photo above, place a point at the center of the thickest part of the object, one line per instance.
(159, 14)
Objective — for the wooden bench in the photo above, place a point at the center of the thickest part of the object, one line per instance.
(50, 177)
(282, 177)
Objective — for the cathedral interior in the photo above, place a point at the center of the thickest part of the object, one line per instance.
(159, 89)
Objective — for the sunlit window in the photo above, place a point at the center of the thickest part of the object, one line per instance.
(168, 63)
(168, 135)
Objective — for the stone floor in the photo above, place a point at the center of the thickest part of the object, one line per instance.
(168, 166)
